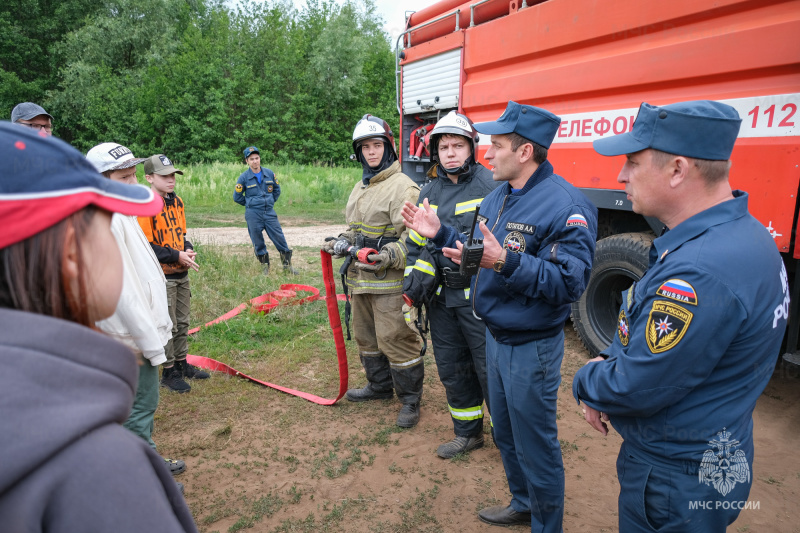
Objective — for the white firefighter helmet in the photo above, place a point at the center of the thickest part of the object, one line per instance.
(453, 123)
(370, 127)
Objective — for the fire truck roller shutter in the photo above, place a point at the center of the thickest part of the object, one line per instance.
(619, 261)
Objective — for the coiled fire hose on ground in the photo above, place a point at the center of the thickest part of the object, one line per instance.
(287, 296)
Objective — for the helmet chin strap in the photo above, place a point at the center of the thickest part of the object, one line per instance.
(456, 171)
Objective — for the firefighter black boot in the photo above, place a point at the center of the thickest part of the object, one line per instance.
(264, 260)
(286, 259)
(408, 385)
(379, 380)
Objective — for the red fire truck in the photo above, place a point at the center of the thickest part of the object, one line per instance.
(592, 63)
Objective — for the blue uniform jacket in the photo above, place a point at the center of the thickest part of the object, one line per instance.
(455, 205)
(697, 341)
(253, 195)
(549, 228)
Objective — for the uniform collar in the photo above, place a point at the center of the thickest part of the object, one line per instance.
(544, 170)
(698, 224)
(393, 169)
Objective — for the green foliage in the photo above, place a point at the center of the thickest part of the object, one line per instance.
(309, 193)
(197, 80)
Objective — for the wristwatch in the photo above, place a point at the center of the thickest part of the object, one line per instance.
(500, 263)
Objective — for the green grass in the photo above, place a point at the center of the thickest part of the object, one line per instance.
(310, 195)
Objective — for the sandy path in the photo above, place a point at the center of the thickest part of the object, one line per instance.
(311, 236)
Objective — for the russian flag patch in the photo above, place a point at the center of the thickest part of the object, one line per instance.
(677, 289)
(577, 220)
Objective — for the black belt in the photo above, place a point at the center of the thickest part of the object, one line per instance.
(454, 280)
(366, 242)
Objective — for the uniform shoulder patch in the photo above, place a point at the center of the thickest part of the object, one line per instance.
(239, 188)
(576, 219)
(677, 289)
(623, 328)
(275, 178)
(666, 325)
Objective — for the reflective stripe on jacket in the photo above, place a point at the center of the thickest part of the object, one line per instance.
(375, 211)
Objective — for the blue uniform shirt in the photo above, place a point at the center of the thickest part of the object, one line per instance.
(255, 194)
(697, 341)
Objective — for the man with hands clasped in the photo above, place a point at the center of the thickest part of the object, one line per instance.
(698, 335)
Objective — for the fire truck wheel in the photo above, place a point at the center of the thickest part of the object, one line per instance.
(619, 260)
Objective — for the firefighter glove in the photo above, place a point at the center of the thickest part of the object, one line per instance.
(341, 247)
(327, 246)
(410, 314)
(379, 262)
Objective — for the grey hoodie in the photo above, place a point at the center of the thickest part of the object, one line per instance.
(66, 463)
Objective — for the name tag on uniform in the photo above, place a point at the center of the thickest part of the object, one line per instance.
(251, 186)
(520, 227)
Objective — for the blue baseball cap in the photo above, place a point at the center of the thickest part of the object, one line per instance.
(45, 180)
(702, 129)
(250, 150)
(534, 123)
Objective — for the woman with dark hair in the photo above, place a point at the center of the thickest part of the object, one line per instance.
(68, 464)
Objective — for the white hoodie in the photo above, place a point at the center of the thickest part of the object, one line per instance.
(141, 320)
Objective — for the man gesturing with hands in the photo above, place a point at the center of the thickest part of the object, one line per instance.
(538, 248)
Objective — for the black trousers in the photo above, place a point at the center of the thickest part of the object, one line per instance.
(459, 347)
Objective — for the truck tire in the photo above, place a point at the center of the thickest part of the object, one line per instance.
(619, 261)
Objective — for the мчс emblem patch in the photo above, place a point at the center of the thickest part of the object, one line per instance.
(269, 188)
(666, 325)
(515, 242)
(239, 188)
(577, 220)
(623, 329)
(677, 289)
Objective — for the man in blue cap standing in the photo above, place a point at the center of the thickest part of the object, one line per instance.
(257, 189)
(537, 259)
(698, 336)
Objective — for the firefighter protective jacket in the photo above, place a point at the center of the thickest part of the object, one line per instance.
(455, 205)
(549, 229)
(374, 211)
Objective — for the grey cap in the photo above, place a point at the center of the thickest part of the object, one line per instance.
(28, 110)
(161, 165)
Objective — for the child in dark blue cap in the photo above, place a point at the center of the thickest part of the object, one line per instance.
(698, 335)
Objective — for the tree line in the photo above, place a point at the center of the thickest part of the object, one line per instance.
(197, 79)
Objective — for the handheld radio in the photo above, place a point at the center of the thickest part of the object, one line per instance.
(472, 251)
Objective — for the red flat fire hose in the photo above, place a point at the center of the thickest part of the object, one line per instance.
(266, 303)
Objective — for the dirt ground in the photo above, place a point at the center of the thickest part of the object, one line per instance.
(279, 463)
